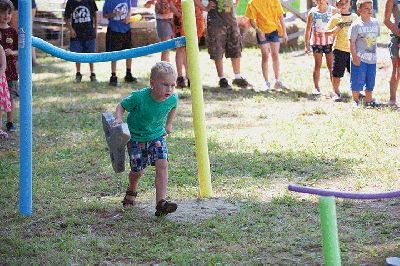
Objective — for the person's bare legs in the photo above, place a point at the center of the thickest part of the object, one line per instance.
(78, 67)
(329, 64)
(236, 65)
(10, 116)
(180, 60)
(134, 178)
(165, 54)
(275, 58)
(114, 66)
(394, 80)
(335, 85)
(128, 63)
(368, 96)
(161, 179)
(264, 60)
(356, 95)
(317, 69)
(219, 65)
(91, 67)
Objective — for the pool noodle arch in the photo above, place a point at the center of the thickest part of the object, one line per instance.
(25, 42)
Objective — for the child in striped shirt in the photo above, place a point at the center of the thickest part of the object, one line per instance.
(317, 41)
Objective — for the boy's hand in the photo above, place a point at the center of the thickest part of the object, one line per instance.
(211, 5)
(8, 52)
(73, 33)
(356, 60)
(168, 128)
(285, 38)
(261, 36)
(117, 121)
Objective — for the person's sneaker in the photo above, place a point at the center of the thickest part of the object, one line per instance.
(78, 78)
(130, 78)
(336, 97)
(373, 104)
(361, 95)
(223, 83)
(180, 82)
(11, 127)
(393, 104)
(266, 86)
(279, 85)
(354, 105)
(316, 91)
(241, 82)
(93, 77)
(113, 81)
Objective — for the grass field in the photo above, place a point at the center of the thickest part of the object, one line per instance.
(259, 142)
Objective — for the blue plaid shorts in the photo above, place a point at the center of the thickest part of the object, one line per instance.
(142, 154)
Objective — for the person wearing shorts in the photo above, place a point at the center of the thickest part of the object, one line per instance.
(363, 34)
(223, 38)
(148, 129)
(118, 36)
(164, 10)
(339, 26)
(392, 10)
(80, 17)
(266, 17)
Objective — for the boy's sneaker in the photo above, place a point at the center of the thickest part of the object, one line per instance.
(279, 85)
(11, 127)
(354, 105)
(78, 78)
(113, 81)
(93, 77)
(336, 97)
(223, 83)
(180, 82)
(241, 82)
(130, 78)
(316, 91)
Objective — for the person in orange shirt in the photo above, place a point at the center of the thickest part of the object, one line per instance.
(266, 17)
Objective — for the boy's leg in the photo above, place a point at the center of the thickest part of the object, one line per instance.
(78, 67)
(161, 179)
(134, 178)
(165, 54)
(128, 63)
(368, 96)
(370, 83)
(179, 60)
(114, 66)
(91, 66)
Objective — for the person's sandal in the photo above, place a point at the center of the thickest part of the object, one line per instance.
(127, 202)
(164, 207)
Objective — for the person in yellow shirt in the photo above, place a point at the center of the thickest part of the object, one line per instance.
(339, 24)
(266, 17)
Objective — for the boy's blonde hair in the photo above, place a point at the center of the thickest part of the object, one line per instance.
(341, 2)
(161, 68)
(361, 2)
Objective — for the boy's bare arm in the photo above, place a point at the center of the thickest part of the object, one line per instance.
(356, 60)
(170, 118)
(112, 15)
(386, 18)
(174, 9)
(69, 26)
(119, 111)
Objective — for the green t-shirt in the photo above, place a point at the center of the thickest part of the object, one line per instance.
(146, 119)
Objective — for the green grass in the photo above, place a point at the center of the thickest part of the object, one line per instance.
(259, 142)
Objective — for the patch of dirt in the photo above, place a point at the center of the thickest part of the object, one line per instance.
(193, 210)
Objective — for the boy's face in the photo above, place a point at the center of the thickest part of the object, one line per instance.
(5, 16)
(162, 87)
(321, 2)
(343, 6)
(366, 10)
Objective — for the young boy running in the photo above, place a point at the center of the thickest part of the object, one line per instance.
(151, 111)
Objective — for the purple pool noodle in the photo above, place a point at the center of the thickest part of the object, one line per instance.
(348, 195)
